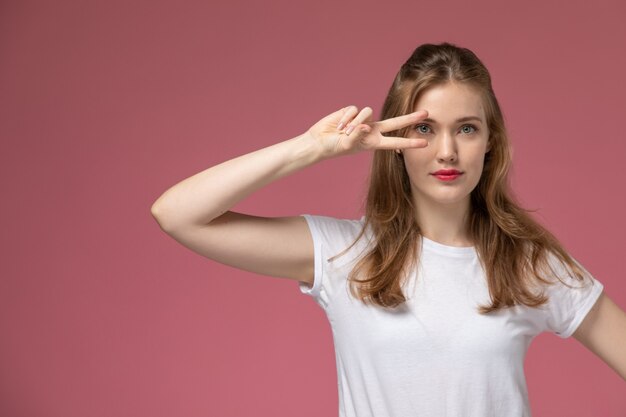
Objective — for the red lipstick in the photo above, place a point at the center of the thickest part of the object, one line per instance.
(447, 174)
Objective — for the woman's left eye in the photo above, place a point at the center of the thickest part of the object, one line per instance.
(470, 126)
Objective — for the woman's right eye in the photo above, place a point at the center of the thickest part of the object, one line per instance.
(418, 128)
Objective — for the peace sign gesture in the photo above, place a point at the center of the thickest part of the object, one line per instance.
(361, 133)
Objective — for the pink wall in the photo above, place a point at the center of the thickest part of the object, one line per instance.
(104, 105)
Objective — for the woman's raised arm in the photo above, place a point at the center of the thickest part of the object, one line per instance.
(196, 213)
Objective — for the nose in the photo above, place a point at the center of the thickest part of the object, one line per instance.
(447, 150)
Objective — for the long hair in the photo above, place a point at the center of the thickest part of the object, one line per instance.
(513, 248)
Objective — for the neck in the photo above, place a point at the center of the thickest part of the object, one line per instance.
(444, 223)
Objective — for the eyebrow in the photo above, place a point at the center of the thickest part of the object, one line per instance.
(462, 119)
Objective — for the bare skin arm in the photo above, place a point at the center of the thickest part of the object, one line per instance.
(603, 332)
(195, 212)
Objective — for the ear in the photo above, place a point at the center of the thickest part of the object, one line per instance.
(488, 145)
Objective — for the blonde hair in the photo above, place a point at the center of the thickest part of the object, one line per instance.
(513, 248)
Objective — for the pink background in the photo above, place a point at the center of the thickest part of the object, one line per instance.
(104, 105)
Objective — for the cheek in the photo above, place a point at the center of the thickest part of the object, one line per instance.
(415, 165)
(476, 155)
(418, 158)
(478, 166)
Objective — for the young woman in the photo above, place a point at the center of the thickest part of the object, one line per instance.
(435, 294)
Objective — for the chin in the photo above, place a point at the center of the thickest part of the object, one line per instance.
(453, 198)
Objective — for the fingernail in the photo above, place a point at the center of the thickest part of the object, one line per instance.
(349, 129)
(340, 126)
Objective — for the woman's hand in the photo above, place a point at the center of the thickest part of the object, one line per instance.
(349, 131)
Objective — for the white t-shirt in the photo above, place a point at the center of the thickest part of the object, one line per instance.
(436, 356)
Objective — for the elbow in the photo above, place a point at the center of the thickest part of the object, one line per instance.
(166, 218)
(158, 214)
(155, 210)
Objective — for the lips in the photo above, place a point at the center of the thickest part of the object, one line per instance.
(447, 172)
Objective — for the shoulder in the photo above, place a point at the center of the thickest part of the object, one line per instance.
(334, 226)
(335, 233)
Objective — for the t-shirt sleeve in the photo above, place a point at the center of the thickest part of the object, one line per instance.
(330, 236)
(568, 306)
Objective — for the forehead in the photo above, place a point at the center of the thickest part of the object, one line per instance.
(448, 102)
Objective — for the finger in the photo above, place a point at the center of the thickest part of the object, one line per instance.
(399, 122)
(348, 113)
(363, 115)
(392, 142)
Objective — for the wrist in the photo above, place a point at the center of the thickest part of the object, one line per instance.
(310, 149)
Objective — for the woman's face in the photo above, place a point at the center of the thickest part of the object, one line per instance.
(453, 144)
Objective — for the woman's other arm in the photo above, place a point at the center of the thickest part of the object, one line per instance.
(603, 331)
